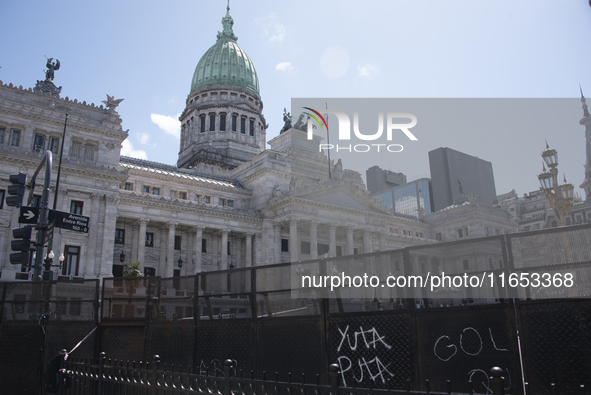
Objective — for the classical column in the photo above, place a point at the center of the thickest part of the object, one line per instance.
(170, 249)
(382, 242)
(214, 251)
(238, 250)
(293, 240)
(314, 240)
(248, 249)
(366, 241)
(108, 236)
(258, 249)
(162, 261)
(277, 240)
(224, 249)
(332, 240)
(350, 248)
(141, 244)
(134, 242)
(91, 260)
(198, 244)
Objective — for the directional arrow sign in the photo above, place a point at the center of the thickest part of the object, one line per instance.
(62, 220)
(28, 215)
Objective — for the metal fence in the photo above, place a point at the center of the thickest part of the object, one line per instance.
(402, 336)
(106, 376)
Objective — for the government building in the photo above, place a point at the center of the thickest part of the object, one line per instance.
(232, 200)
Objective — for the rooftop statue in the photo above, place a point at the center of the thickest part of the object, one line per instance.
(47, 85)
(287, 120)
(111, 102)
(51, 67)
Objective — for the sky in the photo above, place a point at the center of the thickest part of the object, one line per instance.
(146, 52)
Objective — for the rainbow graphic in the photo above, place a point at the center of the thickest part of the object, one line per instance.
(316, 119)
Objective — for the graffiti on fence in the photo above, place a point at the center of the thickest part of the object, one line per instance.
(215, 367)
(471, 343)
(357, 365)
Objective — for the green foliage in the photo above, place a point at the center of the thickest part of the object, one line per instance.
(132, 270)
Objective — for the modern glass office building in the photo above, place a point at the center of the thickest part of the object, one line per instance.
(409, 198)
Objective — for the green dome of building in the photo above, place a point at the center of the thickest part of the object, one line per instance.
(226, 65)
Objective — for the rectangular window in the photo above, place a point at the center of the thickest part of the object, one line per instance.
(2, 193)
(54, 145)
(183, 195)
(202, 126)
(128, 186)
(222, 202)
(466, 264)
(203, 245)
(234, 118)
(211, 122)
(119, 236)
(16, 138)
(243, 125)
(251, 127)
(89, 152)
(75, 151)
(223, 122)
(149, 240)
(438, 236)
(355, 250)
(177, 242)
(208, 199)
(149, 271)
(146, 189)
(230, 203)
(2, 133)
(72, 255)
(197, 198)
(76, 207)
(460, 233)
(156, 191)
(39, 142)
(284, 245)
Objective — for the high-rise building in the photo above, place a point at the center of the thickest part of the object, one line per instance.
(457, 177)
(408, 198)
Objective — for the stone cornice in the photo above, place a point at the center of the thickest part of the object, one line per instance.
(177, 205)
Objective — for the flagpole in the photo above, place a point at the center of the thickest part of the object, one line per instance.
(327, 139)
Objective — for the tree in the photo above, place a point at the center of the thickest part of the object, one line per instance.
(133, 270)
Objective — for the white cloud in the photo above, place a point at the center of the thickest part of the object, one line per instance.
(170, 125)
(127, 150)
(284, 66)
(144, 138)
(367, 70)
(271, 28)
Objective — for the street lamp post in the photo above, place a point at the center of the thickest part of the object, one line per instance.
(560, 196)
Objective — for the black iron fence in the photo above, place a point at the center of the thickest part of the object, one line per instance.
(106, 376)
(378, 337)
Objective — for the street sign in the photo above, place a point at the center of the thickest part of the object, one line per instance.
(62, 220)
(28, 215)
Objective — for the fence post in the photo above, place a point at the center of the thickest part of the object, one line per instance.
(155, 366)
(497, 381)
(333, 372)
(101, 372)
(227, 371)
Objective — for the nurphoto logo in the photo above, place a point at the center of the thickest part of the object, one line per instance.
(345, 130)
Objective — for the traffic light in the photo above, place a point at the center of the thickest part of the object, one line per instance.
(22, 243)
(17, 190)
